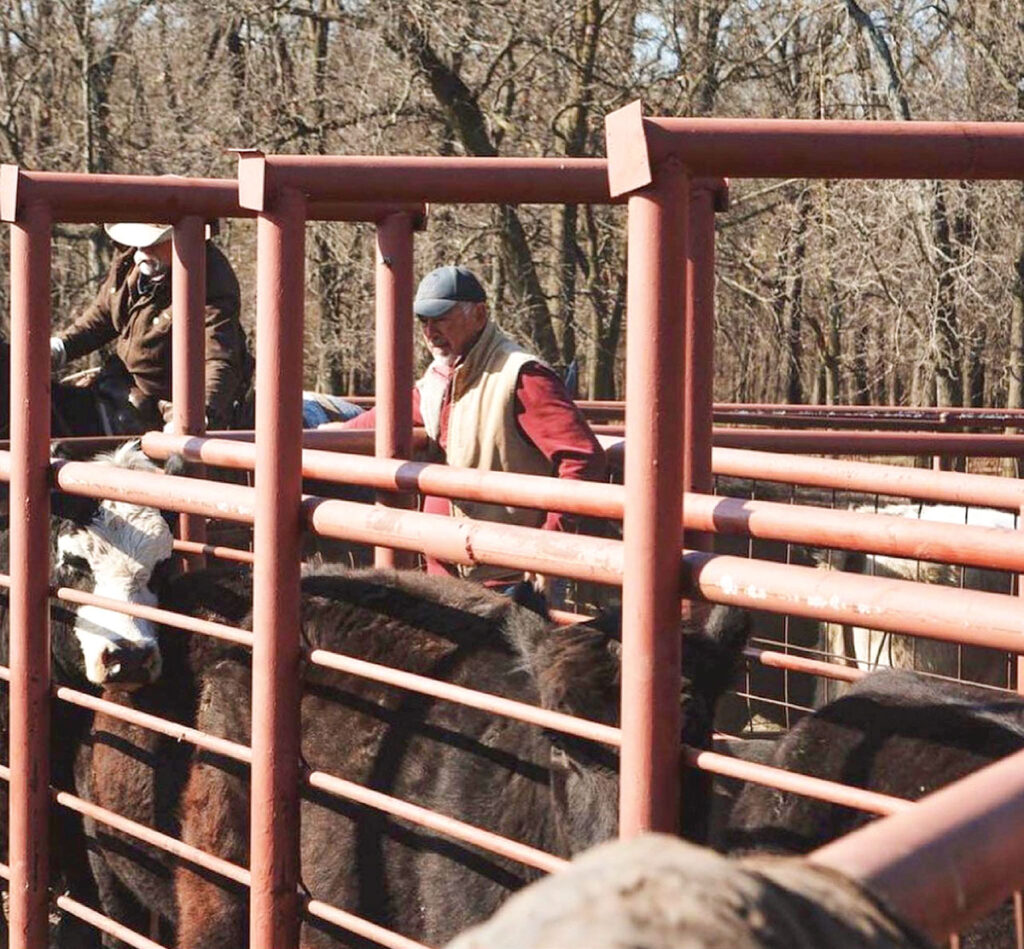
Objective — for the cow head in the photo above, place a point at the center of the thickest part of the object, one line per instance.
(577, 670)
(113, 549)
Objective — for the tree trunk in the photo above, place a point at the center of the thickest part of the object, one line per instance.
(469, 123)
(1015, 358)
(789, 301)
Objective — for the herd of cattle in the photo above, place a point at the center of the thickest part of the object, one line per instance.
(893, 732)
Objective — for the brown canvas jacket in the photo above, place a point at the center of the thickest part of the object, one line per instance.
(139, 324)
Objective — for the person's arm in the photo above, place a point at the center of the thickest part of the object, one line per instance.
(369, 418)
(549, 418)
(95, 327)
(225, 338)
(225, 354)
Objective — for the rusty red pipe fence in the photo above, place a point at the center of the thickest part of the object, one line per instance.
(889, 605)
(950, 858)
(394, 372)
(790, 148)
(655, 191)
(29, 551)
(188, 350)
(856, 442)
(31, 201)
(100, 198)
(831, 416)
(999, 548)
(948, 487)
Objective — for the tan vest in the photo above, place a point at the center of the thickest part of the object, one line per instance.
(482, 432)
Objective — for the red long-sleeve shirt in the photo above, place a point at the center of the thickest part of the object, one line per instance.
(547, 417)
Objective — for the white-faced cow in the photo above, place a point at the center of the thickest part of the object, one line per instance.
(112, 549)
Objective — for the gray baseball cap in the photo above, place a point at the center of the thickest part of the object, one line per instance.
(442, 288)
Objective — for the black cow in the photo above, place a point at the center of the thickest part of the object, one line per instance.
(895, 732)
(553, 792)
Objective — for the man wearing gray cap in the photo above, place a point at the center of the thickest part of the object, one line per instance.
(133, 311)
(487, 403)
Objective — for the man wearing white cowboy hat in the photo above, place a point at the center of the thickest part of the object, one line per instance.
(133, 310)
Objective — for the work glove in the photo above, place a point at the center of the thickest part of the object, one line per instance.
(58, 354)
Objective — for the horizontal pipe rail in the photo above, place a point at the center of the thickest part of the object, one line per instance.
(899, 606)
(907, 412)
(485, 701)
(152, 837)
(871, 443)
(794, 148)
(948, 614)
(829, 670)
(947, 487)
(162, 726)
(817, 788)
(432, 820)
(359, 926)
(214, 550)
(995, 548)
(854, 441)
(155, 614)
(432, 179)
(167, 617)
(756, 412)
(105, 924)
(948, 861)
(97, 199)
(331, 436)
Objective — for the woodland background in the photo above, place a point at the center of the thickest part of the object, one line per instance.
(865, 292)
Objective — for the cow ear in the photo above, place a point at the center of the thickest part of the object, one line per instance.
(176, 465)
(713, 645)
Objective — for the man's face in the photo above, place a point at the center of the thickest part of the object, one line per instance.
(154, 260)
(448, 337)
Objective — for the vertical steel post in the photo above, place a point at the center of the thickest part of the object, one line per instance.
(699, 375)
(1020, 593)
(188, 351)
(655, 360)
(29, 572)
(280, 230)
(393, 438)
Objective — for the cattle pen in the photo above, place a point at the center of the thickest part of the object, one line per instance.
(670, 176)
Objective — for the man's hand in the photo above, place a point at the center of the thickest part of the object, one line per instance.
(554, 589)
(167, 413)
(58, 354)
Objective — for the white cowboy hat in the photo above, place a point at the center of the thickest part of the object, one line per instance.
(141, 235)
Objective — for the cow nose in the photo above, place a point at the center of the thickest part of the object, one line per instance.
(127, 664)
